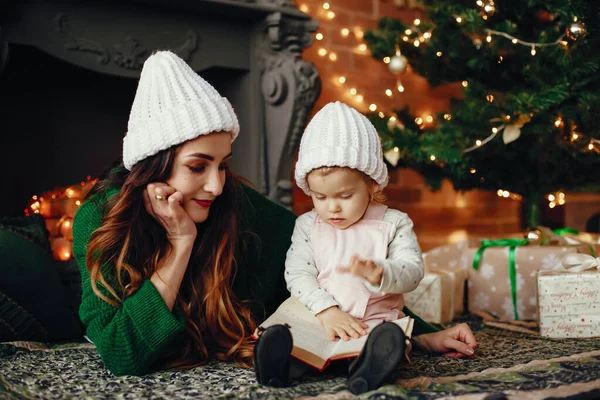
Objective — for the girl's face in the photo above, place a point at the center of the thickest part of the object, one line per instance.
(340, 196)
(199, 172)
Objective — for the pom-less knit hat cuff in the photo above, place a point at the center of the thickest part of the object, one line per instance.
(172, 105)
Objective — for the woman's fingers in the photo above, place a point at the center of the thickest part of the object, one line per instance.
(460, 347)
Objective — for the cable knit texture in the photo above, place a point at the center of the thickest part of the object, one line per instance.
(132, 338)
(338, 135)
(172, 105)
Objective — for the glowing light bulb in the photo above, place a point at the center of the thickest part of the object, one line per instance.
(439, 54)
(387, 60)
(388, 92)
(319, 36)
(417, 22)
(353, 91)
(465, 83)
(342, 79)
(533, 50)
(322, 52)
(333, 56)
(345, 32)
(373, 107)
(432, 157)
(478, 142)
(331, 15)
(326, 6)
(400, 88)
(472, 170)
(458, 19)
(551, 197)
(447, 117)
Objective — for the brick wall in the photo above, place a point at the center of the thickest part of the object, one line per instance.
(440, 216)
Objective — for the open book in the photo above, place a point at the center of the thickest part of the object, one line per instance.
(311, 342)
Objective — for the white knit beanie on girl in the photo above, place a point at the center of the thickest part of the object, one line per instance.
(173, 104)
(340, 136)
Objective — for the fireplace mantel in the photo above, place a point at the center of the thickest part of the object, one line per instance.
(253, 47)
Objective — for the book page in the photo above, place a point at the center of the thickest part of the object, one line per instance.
(307, 331)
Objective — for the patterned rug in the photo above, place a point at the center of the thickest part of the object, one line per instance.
(506, 365)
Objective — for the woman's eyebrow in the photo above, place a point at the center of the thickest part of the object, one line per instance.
(208, 156)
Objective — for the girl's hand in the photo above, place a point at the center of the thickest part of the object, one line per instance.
(366, 269)
(455, 342)
(339, 323)
(163, 202)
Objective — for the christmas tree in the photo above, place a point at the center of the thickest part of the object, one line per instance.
(528, 121)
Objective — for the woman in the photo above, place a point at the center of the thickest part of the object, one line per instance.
(180, 260)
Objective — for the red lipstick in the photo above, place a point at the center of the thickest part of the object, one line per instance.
(204, 203)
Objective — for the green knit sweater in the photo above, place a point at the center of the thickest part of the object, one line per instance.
(132, 337)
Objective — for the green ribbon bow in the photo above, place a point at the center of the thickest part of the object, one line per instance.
(571, 231)
(512, 270)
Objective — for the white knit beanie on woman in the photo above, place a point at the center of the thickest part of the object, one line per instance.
(172, 105)
(340, 136)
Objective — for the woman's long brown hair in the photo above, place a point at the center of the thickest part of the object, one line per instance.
(124, 252)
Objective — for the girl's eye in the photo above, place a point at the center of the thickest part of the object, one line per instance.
(320, 197)
(346, 196)
(223, 167)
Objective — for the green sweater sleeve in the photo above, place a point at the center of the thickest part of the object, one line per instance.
(131, 337)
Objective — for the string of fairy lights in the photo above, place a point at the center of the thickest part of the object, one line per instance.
(508, 125)
(58, 207)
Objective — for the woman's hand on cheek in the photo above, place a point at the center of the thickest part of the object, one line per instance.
(163, 202)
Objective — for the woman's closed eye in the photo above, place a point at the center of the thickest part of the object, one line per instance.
(224, 167)
(346, 196)
(197, 169)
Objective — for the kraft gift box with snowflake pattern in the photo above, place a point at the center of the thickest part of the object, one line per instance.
(433, 299)
(447, 258)
(569, 303)
(491, 289)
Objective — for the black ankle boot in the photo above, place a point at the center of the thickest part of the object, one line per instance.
(272, 353)
(381, 354)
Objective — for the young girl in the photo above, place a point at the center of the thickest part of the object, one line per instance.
(352, 257)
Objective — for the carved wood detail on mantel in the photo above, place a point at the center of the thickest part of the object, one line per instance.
(290, 87)
(128, 54)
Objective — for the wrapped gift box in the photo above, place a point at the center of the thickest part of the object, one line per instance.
(489, 287)
(569, 303)
(447, 259)
(433, 299)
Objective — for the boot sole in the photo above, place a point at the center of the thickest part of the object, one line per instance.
(383, 351)
(272, 354)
